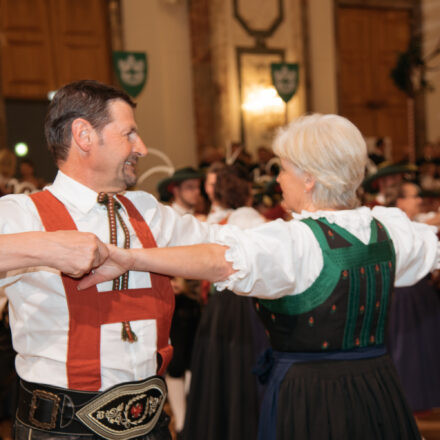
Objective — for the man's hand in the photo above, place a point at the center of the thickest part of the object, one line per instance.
(72, 252)
(117, 263)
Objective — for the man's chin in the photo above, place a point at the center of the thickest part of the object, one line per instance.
(130, 181)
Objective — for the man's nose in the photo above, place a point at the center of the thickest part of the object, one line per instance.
(140, 148)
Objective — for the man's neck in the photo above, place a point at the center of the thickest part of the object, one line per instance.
(87, 180)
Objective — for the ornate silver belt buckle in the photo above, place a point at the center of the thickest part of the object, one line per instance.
(125, 411)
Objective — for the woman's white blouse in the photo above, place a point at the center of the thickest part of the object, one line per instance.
(284, 258)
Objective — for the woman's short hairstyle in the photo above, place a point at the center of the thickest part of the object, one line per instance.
(232, 188)
(332, 150)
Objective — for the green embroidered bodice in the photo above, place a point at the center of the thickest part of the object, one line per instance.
(348, 304)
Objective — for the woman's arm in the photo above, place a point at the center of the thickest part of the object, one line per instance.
(73, 253)
(204, 261)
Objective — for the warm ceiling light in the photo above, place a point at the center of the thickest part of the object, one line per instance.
(262, 99)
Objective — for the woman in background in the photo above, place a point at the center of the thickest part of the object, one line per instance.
(415, 323)
(223, 402)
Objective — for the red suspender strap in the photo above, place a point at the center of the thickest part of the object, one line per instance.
(224, 221)
(89, 309)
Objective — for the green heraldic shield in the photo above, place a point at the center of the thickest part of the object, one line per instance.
(131, 70)
(285, 78)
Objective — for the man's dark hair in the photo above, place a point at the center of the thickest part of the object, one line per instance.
(81, 99)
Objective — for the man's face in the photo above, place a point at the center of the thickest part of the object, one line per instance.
(187, 194)
(411, 201)
(118, 149)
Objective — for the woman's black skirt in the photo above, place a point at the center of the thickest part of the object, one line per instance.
(414, 329)
(359, 400)
(224, 398)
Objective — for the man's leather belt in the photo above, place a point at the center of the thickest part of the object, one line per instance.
(124, 411)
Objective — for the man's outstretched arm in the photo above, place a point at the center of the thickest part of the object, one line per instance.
(71, 252)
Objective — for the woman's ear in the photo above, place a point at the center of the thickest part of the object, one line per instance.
(82, 132)
(309, 182)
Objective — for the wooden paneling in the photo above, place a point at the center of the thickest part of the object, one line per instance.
(27, 69)
(47, 43)
(369, 41)
(80, 40)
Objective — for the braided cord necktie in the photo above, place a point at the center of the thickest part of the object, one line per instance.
(122, 281)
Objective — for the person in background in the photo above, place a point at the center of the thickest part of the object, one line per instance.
(210, 155)
(264, 155)
(268, 200)
(323, 283)
(209, 186)
(428, 177)
(183, 190)
(224, 399)
(378, 153)
(388, 175)
(415, 323)
(8, 163)
(27, 174)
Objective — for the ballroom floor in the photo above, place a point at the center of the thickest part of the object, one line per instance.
(430, 425)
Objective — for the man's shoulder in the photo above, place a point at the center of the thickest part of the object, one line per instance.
(138, 195)
(18, 213)
(16, 199)
(142, 199)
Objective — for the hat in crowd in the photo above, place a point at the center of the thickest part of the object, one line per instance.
(267, 193)
(165, 186)
(386, 169)
(423, 161)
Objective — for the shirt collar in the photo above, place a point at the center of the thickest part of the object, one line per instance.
(181, 210)
(347, 218)
(71, 192)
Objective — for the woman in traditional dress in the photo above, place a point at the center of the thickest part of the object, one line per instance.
(322, 283)
(223, 401)
(415, 322)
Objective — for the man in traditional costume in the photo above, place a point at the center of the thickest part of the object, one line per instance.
(90, 362)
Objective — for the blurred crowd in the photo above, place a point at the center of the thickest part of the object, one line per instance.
(17, 176)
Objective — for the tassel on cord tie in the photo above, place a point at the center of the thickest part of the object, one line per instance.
(121, 283)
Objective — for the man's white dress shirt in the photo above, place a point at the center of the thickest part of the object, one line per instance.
(38, 309)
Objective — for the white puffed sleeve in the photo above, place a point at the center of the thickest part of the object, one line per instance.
(273, 260)
(416, 245)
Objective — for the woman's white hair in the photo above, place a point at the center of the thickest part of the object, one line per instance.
(332, 150)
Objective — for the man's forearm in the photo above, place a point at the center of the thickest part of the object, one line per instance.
(72, 252)
(21, 250)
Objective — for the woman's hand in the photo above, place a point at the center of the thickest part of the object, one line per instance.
(117, 263)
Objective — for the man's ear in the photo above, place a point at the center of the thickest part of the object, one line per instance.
(82, 132)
